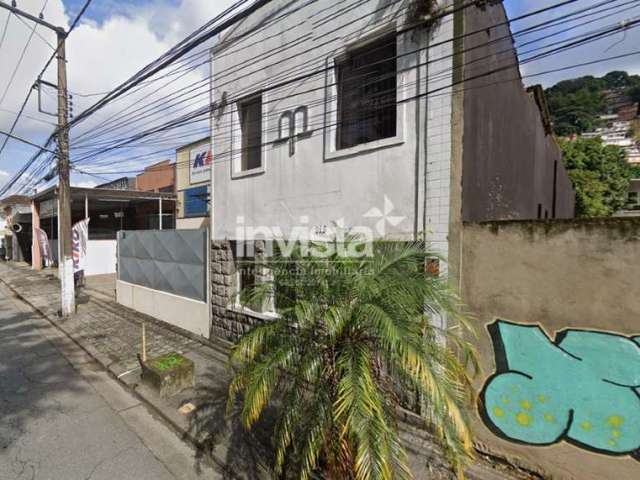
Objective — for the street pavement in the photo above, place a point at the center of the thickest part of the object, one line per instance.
(67, 422)
(63, 418)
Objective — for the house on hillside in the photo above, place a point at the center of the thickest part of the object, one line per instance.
(371, 115)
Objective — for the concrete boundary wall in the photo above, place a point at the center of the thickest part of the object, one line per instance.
(182, 312)
(557, 306)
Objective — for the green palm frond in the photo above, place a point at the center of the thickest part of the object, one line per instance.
(353, 336)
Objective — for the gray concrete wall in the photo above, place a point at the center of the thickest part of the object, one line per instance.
(509, 158)
(318, 185)
(581, 275)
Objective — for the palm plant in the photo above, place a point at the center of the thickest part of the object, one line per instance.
(352, 332)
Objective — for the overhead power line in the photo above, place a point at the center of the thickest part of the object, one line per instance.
(49, 141)
(4, 30)
(27, 142)
(100, 130)
(26, 100)
(164, 103)
(204, 111)
(199, 114)
(24, 51)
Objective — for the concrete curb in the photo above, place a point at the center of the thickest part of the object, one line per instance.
(479, 471)
(104, 363)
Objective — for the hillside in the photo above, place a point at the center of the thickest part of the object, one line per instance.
(577, 104)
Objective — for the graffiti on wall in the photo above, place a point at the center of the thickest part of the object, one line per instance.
(583, 387)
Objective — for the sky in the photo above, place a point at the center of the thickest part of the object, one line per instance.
(117, 37)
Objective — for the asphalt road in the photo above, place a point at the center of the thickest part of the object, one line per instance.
(63, 418)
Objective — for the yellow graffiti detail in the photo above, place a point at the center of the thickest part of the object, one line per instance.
(542, 398)
(526, 405)
(586, 425)
(615, 421)
(549, 418)
(505, 400)
(612, 443)
(498, 412)
(616, 434)
(524, 419)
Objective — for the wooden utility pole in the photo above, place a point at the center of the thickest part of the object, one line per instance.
(65, 257)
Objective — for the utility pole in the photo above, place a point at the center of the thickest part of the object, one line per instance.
(65, 260)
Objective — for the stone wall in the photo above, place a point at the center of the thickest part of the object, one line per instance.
(226, 324)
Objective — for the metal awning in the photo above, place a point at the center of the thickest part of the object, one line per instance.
(103, 194)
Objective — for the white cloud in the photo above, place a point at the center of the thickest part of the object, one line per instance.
(100, 55)
(3, 173)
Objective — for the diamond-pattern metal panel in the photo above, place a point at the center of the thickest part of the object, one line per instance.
(172, 261)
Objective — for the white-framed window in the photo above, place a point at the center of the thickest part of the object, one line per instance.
(367, 93)
(248, 152)
(250, 272)
(364, 97)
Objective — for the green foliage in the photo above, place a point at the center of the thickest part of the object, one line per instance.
(600, 176)
(168, 362)
(352, 336)
(575, 105)
(617, 79)
(634, 93)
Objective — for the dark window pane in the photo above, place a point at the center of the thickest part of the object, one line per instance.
(251, 127)
(367, 94)
(196, 201)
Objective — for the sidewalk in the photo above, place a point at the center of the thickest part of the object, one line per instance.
(110, 333)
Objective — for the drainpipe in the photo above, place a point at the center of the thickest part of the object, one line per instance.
(426, 137)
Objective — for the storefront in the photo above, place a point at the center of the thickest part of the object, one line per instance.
(109, 211)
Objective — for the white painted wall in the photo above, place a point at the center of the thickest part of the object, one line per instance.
(317, 185)
(101, 257)
(182, 312)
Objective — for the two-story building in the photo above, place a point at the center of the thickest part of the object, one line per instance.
(383, 117)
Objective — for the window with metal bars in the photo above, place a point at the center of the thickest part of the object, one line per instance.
(367, 93)
(250, 112)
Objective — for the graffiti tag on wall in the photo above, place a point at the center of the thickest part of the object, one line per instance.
(583, 388)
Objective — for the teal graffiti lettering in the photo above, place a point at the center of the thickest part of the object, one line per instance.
(583, 388)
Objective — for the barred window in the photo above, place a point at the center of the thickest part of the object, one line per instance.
(367, 93)
(250, 111)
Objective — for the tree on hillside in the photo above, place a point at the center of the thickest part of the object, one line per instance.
(352, 336)
(577, 104)
(634, 93)
(617, 79)
(600, 176)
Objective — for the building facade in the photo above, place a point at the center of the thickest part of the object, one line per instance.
(193, 184)
(159, 178)
(361, 120)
